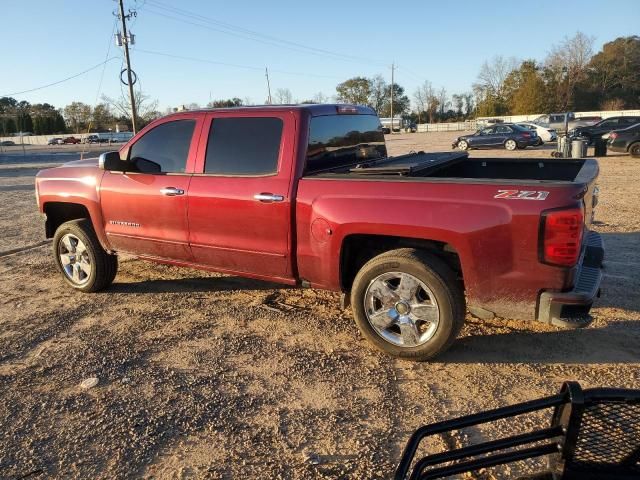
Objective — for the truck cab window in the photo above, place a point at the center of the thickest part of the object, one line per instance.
(163, 149)
(244, 146)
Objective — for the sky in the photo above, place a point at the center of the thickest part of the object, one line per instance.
(308, 46)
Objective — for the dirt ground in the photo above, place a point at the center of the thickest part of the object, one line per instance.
(209, 376)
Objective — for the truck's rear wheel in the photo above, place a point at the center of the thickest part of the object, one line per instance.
(81, 259)
(408, 303)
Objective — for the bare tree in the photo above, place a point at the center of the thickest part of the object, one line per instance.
(443, 102)
(572, 54)
(426, 99)
(566, 65)
(320, 98)
(146, 108)
(283, 96)
(493, 73)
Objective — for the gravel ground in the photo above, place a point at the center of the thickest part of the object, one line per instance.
(202, 375)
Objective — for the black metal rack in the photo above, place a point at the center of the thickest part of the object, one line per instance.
(593, 434)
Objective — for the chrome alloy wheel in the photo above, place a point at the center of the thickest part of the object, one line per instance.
(401, 309)
(74, 259)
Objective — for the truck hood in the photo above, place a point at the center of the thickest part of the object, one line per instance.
(87, 162)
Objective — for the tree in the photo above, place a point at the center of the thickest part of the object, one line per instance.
(378, 92)
(283, 96)
(231, 102)
(102, 118)
(489, 88)
(525, 90)
(458, 104)
(10, 126)
(320, 98)
(78, 116)
(400, 102)
(469, 105)
(146, 109)
(566, 68)
(59, 125)
(426, 100)
(356, 90)
(614, 75)
(494, 73)
(443, 102)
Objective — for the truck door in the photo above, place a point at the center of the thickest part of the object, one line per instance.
(240, 206)
(145, 210)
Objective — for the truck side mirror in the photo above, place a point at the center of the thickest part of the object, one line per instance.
(111, 161)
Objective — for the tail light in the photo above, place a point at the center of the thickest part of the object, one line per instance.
(526, 134)
(613, 135)
(561, 236)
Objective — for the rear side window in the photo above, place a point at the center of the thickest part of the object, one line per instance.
(163, 149)
(343, 140)
(504, 129)
(244, 146)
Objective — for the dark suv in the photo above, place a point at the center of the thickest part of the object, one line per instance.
(595, 131)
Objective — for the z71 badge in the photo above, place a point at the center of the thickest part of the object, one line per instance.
(522, 194)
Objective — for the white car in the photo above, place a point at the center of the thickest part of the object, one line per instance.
(544, 134)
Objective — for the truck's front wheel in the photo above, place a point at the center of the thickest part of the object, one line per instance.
(81, 259)
(408, 303)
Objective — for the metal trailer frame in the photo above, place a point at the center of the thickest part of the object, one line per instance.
(593, 434)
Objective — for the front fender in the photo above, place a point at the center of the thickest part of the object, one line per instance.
(78, 185)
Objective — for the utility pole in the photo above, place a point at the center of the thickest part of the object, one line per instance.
(392, 69)
(266, 74)
(125, 42)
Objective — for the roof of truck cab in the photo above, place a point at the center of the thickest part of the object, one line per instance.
(313, 109)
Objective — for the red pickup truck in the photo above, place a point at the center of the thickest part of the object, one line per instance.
(307, 195)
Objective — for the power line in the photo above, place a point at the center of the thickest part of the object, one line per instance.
(245, 33)
(233, 65)
(59, 81)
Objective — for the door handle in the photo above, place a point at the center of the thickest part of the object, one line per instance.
(171, 191)
(268, 197)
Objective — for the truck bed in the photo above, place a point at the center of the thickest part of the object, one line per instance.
(458, 165)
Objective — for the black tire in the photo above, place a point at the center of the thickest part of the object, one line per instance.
(437, 276)
(104, 266)
(634, 149)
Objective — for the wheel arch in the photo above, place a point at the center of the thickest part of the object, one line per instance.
(58, 213)
(358, 249)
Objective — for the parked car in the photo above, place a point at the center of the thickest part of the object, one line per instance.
(55, 141)
(70, 140)
(507, 135)
(625, 140)
(388, 124)
(544, 134)
(7, 143)
(607, 125)
(306, 195)
(557, 121)
(410, 127)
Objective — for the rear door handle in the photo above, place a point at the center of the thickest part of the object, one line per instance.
(268, 197)
(171, 191)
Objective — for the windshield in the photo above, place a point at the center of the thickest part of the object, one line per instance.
(343, 140)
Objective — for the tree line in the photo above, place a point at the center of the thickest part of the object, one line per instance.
(571, 78)
(77, 117)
